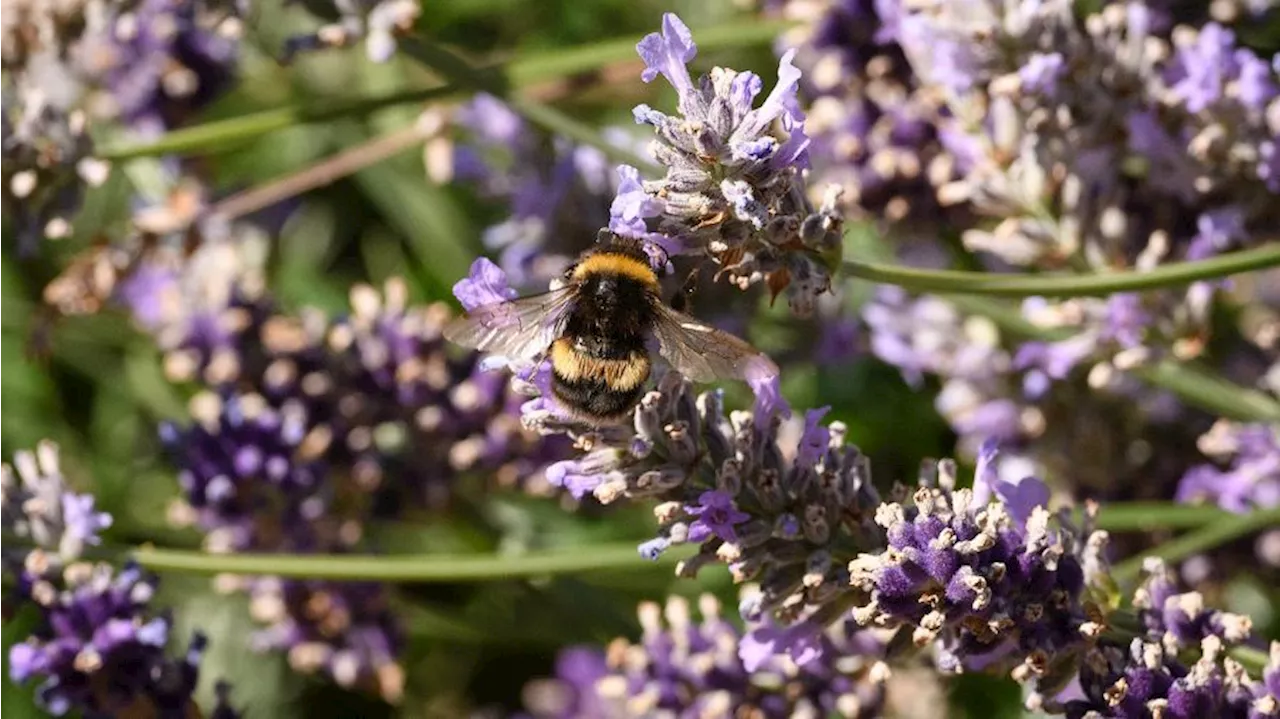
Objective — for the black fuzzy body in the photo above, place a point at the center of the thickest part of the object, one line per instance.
(600, 369)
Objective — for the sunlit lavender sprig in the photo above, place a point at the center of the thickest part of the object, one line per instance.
(376, 23)
(101, 652)
(774, 512)
(98, 648)
(683, 667)
(733, 190)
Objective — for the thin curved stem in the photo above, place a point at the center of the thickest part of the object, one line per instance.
(1145, 516)
(519, 71)
(456, 69)
(402, 568)
(1067, 285)
(237, 130)
(1211, 535)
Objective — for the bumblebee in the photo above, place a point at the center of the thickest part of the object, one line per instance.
(596, 328)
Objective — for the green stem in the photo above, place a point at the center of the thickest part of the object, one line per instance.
(1144, 516)
(1190, 381)
(1255, 660)
(237, 130)
(402, 568)
(457, 70)
(566, 62)
(521, 72)
(1067, 285)
(1212, 535)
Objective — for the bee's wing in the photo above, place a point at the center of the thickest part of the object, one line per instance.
(703, 353)
(521, 328)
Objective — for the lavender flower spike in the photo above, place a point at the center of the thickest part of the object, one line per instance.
(38, 506)
(732, 188)
(686, 667)
(775, 511)
(968, 577)
(98, 652)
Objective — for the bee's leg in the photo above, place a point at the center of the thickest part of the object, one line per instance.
(683, 300)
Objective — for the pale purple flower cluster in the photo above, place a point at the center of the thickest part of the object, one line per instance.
(1044, 400)
(310, 427)
(99, 652)
(149, 64)
(39, 508)
(872, 130)
(160, 61)
(733, 188)
(683, 667)
(376, 23)
(1246, 471)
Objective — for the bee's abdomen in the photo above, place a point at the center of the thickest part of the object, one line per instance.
(598, 387)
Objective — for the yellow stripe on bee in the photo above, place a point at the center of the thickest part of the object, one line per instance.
(616, 374)
(609, 263)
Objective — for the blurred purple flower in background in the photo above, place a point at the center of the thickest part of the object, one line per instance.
(556, 191)
(99, 654)
(682, 667)
(39, 507)
(1251, 477)
(310, 427)
(376, 23)
(96, 649)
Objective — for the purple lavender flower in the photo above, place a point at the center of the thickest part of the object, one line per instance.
(1180, 620)
(732, 188)
(1144, 680)
(711, 473)
(96, 652)
(162, 60)
(716, 516)
(312, 426)
(1251, 478)
(686, 668)
(38, 506)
